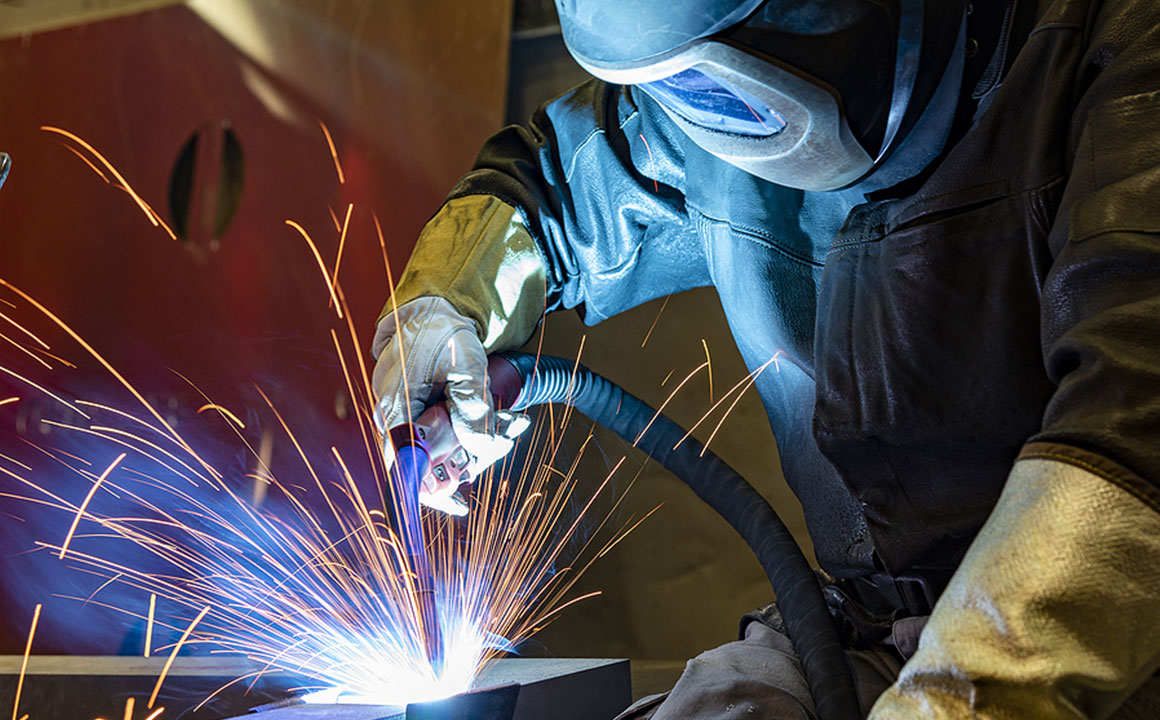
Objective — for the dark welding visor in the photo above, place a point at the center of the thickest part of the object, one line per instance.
(813, 99)
(711, 102)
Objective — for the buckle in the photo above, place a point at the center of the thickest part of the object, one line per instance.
(915, 592)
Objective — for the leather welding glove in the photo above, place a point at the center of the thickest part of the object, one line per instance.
(475, 285)
(1054, 611)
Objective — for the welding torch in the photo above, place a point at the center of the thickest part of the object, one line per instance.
(430, 460)
(410, 465)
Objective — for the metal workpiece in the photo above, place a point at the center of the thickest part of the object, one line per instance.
(498, 703)
(495, 703)
(509, 689)
(564, 688)
(87, 686)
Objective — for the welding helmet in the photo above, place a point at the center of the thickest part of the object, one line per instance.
(810, 94)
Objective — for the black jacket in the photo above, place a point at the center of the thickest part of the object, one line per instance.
(1006, 303)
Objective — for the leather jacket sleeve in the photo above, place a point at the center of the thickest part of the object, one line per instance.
(1053, 612)
(598, 177)
(1101, 298)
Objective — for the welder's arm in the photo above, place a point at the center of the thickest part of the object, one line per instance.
(557, 214)
(474, 285)
(1055, 611)
(598, 178)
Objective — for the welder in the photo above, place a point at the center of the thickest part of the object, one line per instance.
(944, 218)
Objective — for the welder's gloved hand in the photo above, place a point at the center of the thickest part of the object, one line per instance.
(474, 286)
(1053, 613)
(429, 353)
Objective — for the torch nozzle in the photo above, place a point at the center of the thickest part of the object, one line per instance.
(407, 472)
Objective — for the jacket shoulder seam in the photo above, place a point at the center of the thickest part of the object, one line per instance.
(760, 237)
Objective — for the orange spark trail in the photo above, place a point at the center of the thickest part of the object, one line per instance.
(129, 708)
(333, 152)
(616, 541)
(78, 458)
(124, 184)
(25, 330)
(224, 411)
(6, 401)
(86, 161)
(153, 715)
(655, 321)
(341, 243)
(750, 378)
(112, 371)
(44, 390)
(85, 504)
(732, 405)
(173, 655)
(382, 244)
(573, 601)
(652, 163)
(153, 212)
(763, 125)
(321, 264)
(661, 409)
(709, 362)
(149, 624)
(24, 350)
(58, 358)
(13, 460)
(103, 585)
(24, 663)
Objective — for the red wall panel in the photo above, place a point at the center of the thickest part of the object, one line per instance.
(247, 307)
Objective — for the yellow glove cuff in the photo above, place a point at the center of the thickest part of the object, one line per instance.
(477, 254)
(1054, 612)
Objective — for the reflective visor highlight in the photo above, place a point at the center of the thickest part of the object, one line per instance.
(711, 103)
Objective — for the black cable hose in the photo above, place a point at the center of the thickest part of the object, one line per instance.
(799, 597)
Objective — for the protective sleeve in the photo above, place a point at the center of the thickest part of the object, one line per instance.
(598, 178)
(1053, 612)
(477, 255)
